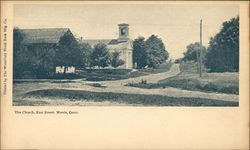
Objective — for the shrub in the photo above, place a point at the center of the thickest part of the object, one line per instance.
(97, 85)
(115, 59)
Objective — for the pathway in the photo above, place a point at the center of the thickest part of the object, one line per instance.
(118, 87)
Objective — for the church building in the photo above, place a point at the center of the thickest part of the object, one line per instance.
(122, 44)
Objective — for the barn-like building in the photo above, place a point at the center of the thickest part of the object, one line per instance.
(123, 44)
(45, 42)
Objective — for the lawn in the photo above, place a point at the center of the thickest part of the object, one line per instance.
(134, 99)
(101, 74)
(119, 74)
(188, 79)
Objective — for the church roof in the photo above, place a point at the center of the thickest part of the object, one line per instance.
(93, 42)
(46, 35)
(116, 41)
(112, 44)
(119, 45)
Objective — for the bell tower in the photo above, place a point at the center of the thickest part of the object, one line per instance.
(123, 31)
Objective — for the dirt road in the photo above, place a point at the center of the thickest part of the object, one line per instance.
(118, 87)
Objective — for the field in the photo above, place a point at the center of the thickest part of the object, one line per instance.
(188, 79)
(79, 97)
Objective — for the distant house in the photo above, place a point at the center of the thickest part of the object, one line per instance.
(48, 39)
(123, 44)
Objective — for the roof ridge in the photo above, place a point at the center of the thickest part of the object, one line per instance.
(96, 39)
(47, 35)
(40, 28)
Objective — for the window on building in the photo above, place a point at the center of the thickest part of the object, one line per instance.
(122, 31)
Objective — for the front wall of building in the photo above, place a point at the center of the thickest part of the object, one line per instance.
(126, 54)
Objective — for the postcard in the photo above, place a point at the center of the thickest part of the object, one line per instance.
(124, 75)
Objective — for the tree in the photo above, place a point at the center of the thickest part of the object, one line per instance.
(100, 56)
(191, 52)
(139, 52)
(68, 52)
(86, 51)
(41, 60)
(151, 52)
(18, 64)
(155, 51)
(178, 61)
(115, 60)
(30, 61)
(223, 50)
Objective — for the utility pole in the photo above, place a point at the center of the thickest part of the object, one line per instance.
(200, 58)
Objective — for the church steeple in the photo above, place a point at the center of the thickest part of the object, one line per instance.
(123, 31)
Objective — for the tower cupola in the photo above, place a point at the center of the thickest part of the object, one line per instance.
(123, 31)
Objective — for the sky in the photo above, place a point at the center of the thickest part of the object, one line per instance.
(177, 25)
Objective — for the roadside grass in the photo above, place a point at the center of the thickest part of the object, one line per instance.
(211, 82)
(29, 103)
(21, 81)
(119, 74)
(30, 81)
(136, 99)
(97, 85)
(161, 68)
(99, 74)
(188, 79)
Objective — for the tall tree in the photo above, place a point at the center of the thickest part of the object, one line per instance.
(86, 51)
(115, 60)
(139, 52)
(68, 53)
(100, 56)
(223, 50)
(18, 63)
(156, 51)
(191, 51)
(41, 60)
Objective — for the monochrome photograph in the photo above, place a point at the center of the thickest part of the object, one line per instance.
(126, 55)
(125, 75)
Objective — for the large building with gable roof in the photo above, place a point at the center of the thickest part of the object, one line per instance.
(45, 42)
(123, 44)
(45, 35)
